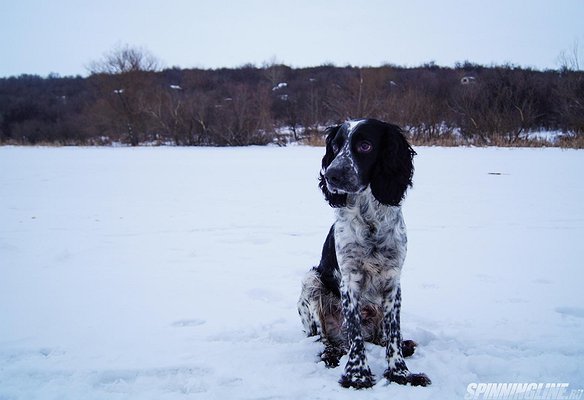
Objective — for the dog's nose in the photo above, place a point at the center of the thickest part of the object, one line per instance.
(334, 176)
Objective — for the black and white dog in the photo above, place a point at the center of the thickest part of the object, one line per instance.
(354, 295)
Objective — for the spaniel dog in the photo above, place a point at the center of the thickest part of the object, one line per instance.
(354, 295)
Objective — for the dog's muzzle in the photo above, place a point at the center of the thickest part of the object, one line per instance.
(341, 180)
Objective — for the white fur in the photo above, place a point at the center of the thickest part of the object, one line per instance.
(379, 227)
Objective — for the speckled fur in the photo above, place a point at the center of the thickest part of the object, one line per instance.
(354, 294)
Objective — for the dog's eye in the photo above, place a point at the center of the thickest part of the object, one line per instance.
(364, 146)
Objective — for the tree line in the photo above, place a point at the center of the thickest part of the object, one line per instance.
(131, 100)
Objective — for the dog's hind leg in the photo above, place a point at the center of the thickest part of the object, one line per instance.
(308, 304)
(408, 348)
(321, 315)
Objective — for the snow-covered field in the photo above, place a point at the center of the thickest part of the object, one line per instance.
(173, 273)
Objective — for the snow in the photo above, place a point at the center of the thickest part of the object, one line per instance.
(279, 86)
(173, 273)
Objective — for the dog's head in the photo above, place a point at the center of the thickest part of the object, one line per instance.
(366, 153)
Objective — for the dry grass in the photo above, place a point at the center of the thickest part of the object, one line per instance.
(314, 140)
(452, 141)
(572, 142)
(442, 141)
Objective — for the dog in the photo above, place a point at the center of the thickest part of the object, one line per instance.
(354, 295)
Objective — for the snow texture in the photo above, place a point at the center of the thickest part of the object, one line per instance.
(173, 273)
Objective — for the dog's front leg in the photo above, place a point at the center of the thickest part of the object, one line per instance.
(357, 373)
(397, 371)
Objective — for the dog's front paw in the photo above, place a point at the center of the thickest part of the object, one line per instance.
(358, 380)
(407, 377)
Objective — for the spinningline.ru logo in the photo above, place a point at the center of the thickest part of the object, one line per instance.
(522, 391)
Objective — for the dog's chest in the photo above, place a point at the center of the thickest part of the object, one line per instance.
(370, 244)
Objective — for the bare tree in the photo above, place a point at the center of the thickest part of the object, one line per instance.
(243, 118)
(274, 71)
(122, 77)
(361, 92)
(123, 59)
(569, 60)
(500, 109)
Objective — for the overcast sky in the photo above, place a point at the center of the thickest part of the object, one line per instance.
(64, 36)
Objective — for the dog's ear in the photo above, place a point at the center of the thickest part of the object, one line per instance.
(335, 200)
(394, 168)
